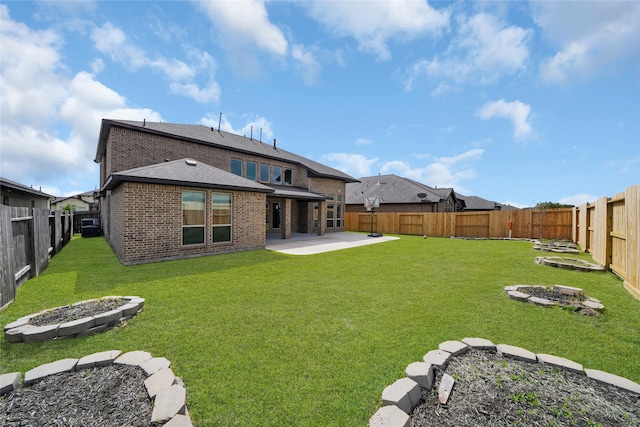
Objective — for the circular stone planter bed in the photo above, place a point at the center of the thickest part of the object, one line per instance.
(569, 263)
(475, 382)
(556, 246)
(79, 319)
(107, 389)
(563, 296)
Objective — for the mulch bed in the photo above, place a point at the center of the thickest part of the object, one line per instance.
(551, 294)
(110, 396)
(82, 310)
(493, 391)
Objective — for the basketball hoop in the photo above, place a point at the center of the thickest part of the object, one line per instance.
(371, 203)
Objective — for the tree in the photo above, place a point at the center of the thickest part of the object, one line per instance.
(552, 205)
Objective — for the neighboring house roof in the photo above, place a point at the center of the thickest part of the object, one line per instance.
(474, 203)
(186, 172)
(204, 135)
(296, 193)
(394, 189)
(7, 183)
(81, 197)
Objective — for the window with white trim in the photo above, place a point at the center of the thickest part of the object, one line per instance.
(265, 172)
(288, 177)
(277, 175)
(252, 171)
(339, 211)
(221, 217)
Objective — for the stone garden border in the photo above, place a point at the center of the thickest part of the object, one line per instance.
(22, 331)
(403, 396)
(569, 264)
(558, 246)
(167, 390)
(518, 293)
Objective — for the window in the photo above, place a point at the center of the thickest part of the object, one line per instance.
(339, 212)
(221, 217)
(277, 175)
(236, 167)
(252, 171)
(193, 217)
(264, 173)
(288, 177)
(330, 212)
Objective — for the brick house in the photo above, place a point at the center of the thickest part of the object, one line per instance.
(398, 194)
(173, 191)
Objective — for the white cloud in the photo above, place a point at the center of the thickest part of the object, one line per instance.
(183, 78)
(251, 128)
(355, 165)
(515, 204)
(484, 50)
(57, 137)
(515, 111)
(363, 141)
(244, 23)
(374, 24)
(578, 199)
(591, 36)
(307, 63)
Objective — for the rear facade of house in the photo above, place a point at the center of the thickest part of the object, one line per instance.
(172, 191)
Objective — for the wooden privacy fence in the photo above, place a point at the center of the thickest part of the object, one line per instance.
(608, 229)
(526, 223)
(28, 237)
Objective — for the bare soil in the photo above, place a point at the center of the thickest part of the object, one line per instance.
(491, 390)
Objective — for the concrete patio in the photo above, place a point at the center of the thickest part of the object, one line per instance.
(310, 244)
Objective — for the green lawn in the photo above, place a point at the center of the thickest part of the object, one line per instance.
(261, 338)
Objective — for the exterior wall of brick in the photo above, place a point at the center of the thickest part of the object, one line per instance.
(153, 227)
(328, 187)
(114, 215)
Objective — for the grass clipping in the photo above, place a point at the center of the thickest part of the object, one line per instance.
(491, 390)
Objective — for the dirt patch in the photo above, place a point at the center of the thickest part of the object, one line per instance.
(77, 311)
(491, 390)
(109, 396)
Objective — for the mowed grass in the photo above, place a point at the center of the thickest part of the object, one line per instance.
(266, 339)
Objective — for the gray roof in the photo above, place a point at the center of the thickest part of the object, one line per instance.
(4, 182)
(209, 136)
(475, 203)
(296, 193)
(394, 189)
(185, 172)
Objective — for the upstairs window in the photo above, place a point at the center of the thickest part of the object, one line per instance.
(288, 177)
(277, 175)
(193, 217)
(265, 171)
(252, 171)
(236, 167)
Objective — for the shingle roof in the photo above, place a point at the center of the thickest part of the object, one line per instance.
(475, 203)
(185, 172)
(393, 189)
(21, 187)
(205, 135)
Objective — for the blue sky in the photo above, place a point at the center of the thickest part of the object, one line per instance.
(516, 102)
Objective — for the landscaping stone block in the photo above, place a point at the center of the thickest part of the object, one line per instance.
(159, 381)
(559, 361)
(404, 393)
(153, 365)
(512, 288)
(15, 335)
(40, 333)
(518, 296)
(16, 323)
(179, 421)
(422, 373)
(516, 352)
(59, 366)
(9, 382)
(133, 358)
(541, 301)
(594, 305)
(437, 358)
(129, 309)
(76, 326)
(94, 330)
(568, 290)
(453, 347)
(169, 402)
(479, 343)
(607, 378)
(108, 317)
(390, 416)
(102, 358)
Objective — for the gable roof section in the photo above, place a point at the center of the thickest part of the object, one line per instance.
(209, 136)
(474, 203)
(185, 172)
(394, 189)
(7, 183)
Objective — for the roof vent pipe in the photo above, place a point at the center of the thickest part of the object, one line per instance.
(219, 120)
(144, 122)
(274, 143)
(252, 132)
(260, 134)
(378, 179)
